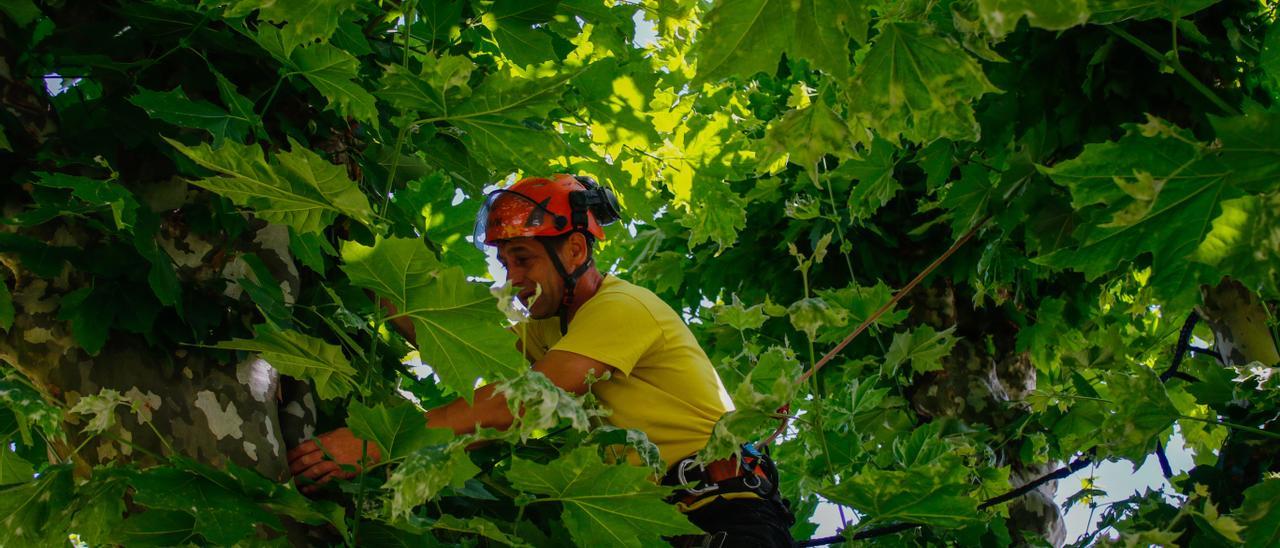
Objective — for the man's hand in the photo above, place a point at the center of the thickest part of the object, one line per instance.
(308, 459)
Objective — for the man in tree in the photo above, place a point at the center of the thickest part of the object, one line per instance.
(587, 325)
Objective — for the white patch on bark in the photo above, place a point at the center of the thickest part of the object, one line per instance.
(233, 273)
(143, 404)
(125, 448)
(258, 375)
(37, 335)
(295, 409)
(188, 259)
(30, 298)
(222, 422)
(106, 451)
(275, 237)
(251, 450)
(271, 437)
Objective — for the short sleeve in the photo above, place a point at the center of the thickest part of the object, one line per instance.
(615, 329)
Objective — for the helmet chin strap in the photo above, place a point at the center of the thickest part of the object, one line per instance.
(570, 282)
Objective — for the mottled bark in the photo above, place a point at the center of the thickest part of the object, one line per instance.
(1239, 323)
(1241, 337)
(190, 403)
(981, 381)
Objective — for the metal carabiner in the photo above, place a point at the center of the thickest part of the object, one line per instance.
(685, 464)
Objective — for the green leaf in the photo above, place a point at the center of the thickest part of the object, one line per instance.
(96, 192)
(812, 314)
(333, 73)
(91, 314)
(425, 473)
(174, 107)
(772, 383)
(475, 526)
(458, 325)
(239, 106)
(301, 357)
(1131, 430)
(603, 505)
(305, 21)
(101, 407)
(42, 259)
(716, 214)
(22, 12)
(968, 198)
(493, 121)
(30, 409)
(743, 37)
(13, 469)
(1260, 514)
(1002, 16)
(1269, 58)
(634, 441)
(222, 515)
(398, 430)
(922, 349)
(1243, 243)
(32, 511)
(298, 188)
(665, 270)
(160, 276)
(509, 25)
(1112, 11)
(310, 248)
(808, 134)
(1248, 145)
(6, 307)
(936, 495)
(1153, 191)
(860, 302)
(157, 528)
(740, 317)
(916, 85)
(873, 172)
(541, 405)
(745, 425)
(265, 292)
(408, 91)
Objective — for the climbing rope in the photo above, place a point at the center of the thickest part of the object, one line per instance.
(871, 319)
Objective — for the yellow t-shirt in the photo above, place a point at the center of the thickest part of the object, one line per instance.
(664, 386)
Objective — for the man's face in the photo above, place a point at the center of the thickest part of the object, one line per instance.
(528, 265)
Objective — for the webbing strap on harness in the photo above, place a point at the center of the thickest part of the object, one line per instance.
(570, 282)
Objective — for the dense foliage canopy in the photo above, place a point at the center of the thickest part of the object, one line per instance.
(786, 166)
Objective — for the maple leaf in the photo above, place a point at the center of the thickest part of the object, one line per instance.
(916, 85)
(458, 325)
(615, 505)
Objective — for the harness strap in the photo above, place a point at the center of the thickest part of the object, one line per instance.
(570, 282)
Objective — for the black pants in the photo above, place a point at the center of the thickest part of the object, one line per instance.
(763, 523)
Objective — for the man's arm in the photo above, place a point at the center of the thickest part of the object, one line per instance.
(489, 409)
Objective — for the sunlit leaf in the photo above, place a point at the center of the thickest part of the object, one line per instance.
(297, 188)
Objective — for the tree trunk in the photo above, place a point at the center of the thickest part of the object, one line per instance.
(976, 385)
(188, 402)
(1242, 337)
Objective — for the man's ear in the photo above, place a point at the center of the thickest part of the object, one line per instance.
(576, 250)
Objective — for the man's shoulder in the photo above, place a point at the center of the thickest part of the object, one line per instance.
(615, 290)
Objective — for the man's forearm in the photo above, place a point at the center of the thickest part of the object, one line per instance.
(489, 410)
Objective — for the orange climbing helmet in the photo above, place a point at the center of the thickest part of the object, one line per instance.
(541, 207)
